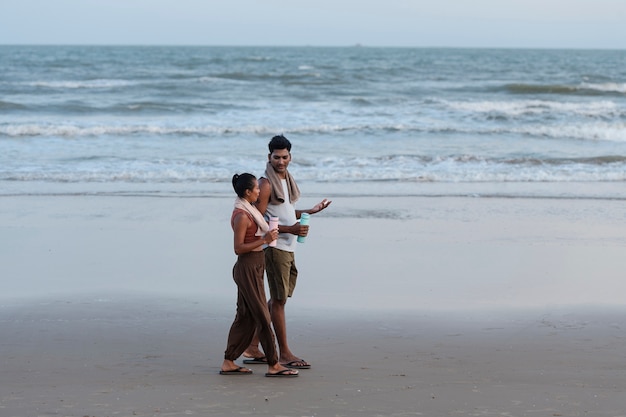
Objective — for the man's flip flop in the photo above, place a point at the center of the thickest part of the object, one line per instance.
(256, 361)
(298, 364)
(285, 373)
(239, 371)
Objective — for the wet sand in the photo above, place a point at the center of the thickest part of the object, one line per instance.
(120, 306)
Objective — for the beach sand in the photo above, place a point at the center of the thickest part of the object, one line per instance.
(408, 306)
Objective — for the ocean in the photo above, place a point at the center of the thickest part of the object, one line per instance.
(180, 121)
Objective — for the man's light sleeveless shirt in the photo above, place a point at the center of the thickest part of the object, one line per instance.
(286, 213)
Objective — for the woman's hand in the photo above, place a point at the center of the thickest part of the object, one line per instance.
(270, 236)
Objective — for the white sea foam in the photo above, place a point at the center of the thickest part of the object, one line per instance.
(72, 130)
(76, 84)
(595, 131)
(524, 107)
(606, 87)
(598, 131)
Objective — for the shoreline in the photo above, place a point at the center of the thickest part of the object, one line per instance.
(412, 252)
(579, 190)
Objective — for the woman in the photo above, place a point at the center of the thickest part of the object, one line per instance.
(251, 232)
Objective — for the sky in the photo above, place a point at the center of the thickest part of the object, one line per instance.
(588, 24)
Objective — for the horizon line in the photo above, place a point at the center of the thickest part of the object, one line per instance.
(355, 45)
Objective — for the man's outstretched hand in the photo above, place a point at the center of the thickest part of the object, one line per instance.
(321, 206)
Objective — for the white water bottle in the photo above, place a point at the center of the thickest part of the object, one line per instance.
(273, 225)
(304, 220)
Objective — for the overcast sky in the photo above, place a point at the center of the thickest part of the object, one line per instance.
(432, 23)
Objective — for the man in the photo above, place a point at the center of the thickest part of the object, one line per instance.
(279, 193)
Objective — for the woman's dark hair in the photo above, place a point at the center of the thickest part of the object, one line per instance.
(279, 142)
(243, 182)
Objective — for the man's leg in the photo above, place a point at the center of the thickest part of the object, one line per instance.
(253, 350)
(281, 276)
(285, 357)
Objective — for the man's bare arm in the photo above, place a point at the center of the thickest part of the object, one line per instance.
(264, 195)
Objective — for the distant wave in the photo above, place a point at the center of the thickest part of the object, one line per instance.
(409, 162)
(8, 106)
(336, 169)
(147, 107)
(74, 130)
(593, 131)
(599, 131)
(518, 108)
(582, 89)
(75, 84)
(606, 87)
(595, 160)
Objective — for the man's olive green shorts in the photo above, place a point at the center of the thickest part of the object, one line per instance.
(280, 267)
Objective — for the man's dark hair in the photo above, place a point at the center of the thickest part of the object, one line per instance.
(279, 142)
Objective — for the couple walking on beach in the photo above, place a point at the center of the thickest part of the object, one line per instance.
(274, 195)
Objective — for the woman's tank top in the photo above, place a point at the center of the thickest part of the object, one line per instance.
(250, 231)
